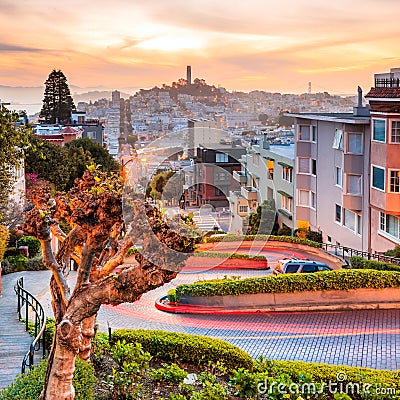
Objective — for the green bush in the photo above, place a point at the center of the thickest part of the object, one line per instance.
(299, 371)
(361, 263)
(35, 264)
(394, 252)
(172, 374)
(29, 385)
(264, 238)
(290, 283)
(7, 267)
(217, 254)
(184, 348)
(32, 243)
(19, 261)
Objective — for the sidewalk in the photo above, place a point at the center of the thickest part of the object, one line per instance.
(14, 340)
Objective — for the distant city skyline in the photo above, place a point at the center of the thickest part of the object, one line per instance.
(259, 44)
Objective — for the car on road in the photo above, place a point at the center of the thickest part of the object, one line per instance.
(296, 266)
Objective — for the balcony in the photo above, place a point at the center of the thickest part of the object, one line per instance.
(249, 193)
(240, 176)
(353, 164)
(352, 202)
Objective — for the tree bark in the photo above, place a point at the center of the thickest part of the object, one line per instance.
(88, 332)
(61, 371)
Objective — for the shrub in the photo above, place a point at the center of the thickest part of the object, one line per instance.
(361, 263)
(290, 283)
(184, 348)
(299, 371)
(7, 267)
(29, 385)
(35, 264)
(394, 253)
(170, 374)
(264, 238)
(19, 261)
(32, 243)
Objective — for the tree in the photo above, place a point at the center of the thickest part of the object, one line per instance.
(13, 140)
(57, 101)
(98, 241)
(263, 221)
(99, 154)
(62, 165)
(166, 184)
(48, 161)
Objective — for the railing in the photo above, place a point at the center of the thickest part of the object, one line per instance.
(387, 82)
(346, 252)
(27, 302)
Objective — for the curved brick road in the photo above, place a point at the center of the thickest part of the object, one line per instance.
(369, 338)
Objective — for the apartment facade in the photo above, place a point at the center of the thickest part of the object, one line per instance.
(267, 173)
(332, 175)
(384, 100)
(213, 173)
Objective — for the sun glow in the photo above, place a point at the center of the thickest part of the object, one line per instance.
(172, 43)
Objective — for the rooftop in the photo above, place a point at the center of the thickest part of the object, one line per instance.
(348, 118)
(287, 151)
(384, 93)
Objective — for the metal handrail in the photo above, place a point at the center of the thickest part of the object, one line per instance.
(29, 301)
(344, 252)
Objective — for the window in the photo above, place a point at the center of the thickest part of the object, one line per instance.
(359, 224)
(395, 181)
(390, 224)
(91, 135)
(349, 219)
(313, 200)
(379, 130)
(304, 133)
(354, 184)
(338, 140)
(313, 167)
(291, 268)
(243, 209)
(355, 143)
(395, 137)
(304, 165)
(308, 268)
(221, 157)
(339, 177)
(338, 213)
(287, 174)
(314, 134)
(287, 203)
(304, 198)
(378, 178)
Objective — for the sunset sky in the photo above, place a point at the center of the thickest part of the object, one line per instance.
(254, 44)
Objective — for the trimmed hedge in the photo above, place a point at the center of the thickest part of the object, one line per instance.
(290, 283)
(315, 372)
(361, 263)
(29, 385)
(216, 254)
(264, 238)
(182, 347)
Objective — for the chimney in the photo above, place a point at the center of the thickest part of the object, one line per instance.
(360, 110)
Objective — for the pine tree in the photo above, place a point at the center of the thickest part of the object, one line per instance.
(57, 101)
